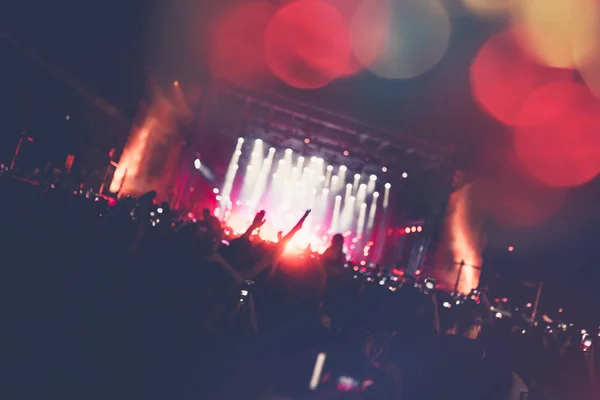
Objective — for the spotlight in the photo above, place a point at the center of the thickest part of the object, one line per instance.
(288, 151)
(176, 83)
(586, 343)
(373, 177)
(307, 140)
(343, 168)
(413, 229)
(429, 284)
(330, 168)
(241, 140)
(216, 191)
(404, 175)
(447, 305)
(511, 248)
(272, 150)
(348, 186)
(346, 153)
(419, 228)
(375, 195)
(338, 197)
(388, 185)
(356, 176)
(383, 169)
(407, 229)
(197, 163)
(499, 315)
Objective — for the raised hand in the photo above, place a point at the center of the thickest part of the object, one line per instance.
(301, 222)
(259, 219)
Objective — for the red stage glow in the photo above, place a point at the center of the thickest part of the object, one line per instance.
(503, 77)
(563, 148)
(307, 44)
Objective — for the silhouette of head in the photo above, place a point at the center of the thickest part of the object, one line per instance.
(337, 241)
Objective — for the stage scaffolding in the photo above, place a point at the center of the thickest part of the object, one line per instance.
(340, 139)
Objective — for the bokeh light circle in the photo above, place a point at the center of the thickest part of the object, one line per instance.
(307, 44)
(235, 50)
(402, 39)
(559, 33)
(503, 77)
(563, 148)
(590, 72)
(488, 8)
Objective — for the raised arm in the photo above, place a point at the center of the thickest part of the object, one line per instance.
(259, 221)
(272, 256)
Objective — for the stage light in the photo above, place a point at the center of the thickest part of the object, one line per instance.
(383, 169)
(258, 141)
(216, 191)
(330, 168)
(447, 305)
(176, 83)
(197, 163)
(407, 229)
(240, 140)
(343, 168)
(346, 153)
(338, 197)
(288, 151)
(356, 176)
(307, 140)
(375, 195)
(272, 150)
(67, 117)
(159, 210)
(404, 175)
(511, 248)
(560, 310)
(388, 185)
(419, 228)
(373, 177)
(348, 186)
(429, 284)
(413, 229)
(499, 315)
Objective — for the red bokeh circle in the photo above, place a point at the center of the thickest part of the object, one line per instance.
(236, 43)
(503, 77)
(307, 44)
(563, 148)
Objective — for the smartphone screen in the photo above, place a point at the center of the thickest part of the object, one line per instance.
(347, 384)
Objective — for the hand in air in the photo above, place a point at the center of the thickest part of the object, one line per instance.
(301, 222)
(259, 219)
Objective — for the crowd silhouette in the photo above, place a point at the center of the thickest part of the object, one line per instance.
(133, 302)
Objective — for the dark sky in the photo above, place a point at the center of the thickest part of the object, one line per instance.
(105, 46)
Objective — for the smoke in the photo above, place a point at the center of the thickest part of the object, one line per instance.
(150, 156)
(462, 241)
